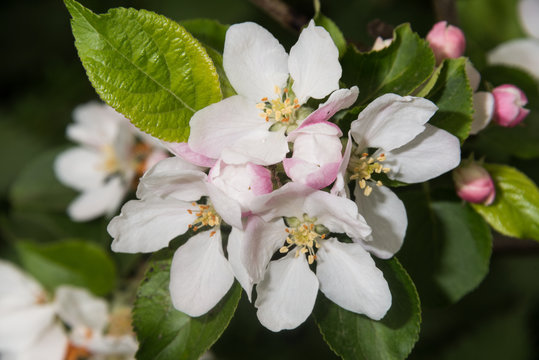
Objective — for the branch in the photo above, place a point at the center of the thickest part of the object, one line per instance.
(282, 13)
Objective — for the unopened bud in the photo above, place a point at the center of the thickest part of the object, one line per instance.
(474, 184)
(509, 104)
(446, 41)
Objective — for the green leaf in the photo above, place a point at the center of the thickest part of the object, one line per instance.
(165, 333)
(446, 249)
(400, 68)
(354, 336)
(515, 211)
(333, 30)
(453, 96)
(37, 189)
(146, 66)
(72, 262)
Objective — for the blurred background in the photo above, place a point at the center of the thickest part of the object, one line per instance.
(42, 80)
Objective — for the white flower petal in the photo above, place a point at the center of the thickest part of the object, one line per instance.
(200, 275)
(483, 105)
(529, 13)
(103, 200)
(175, 178)
(286, 296)
(220, 125)
(349, 277)
(80, 168)
(22, 327)
(51, 345)
(391, 121)
(386, 215)
(235, 246)
(254, 61)
(17, 289)
(228, 208)
(338, 214)
(520, 53)
(78, 307)
(149, 225)
(430, 154)
(473, 75)
(340, 187)
(286, 201)
(260, 147)
(96, 124)
(314, 64)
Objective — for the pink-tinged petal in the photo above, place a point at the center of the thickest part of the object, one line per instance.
(286, 296)
(254, 61)
(338, 214)
(51, 345)
(149, 225)
(446, 41)
(312, 175)
(519, 53)
(174, 178)
(340, 187)
(474, 184)
(529, 13)
(509, 102)
(314, 64)
(228, 208)
(103, 200)
(220, 125)
(287, 201)
(20, 328)
(391, 121)
(80, 168)
(200, 275)
(338, 100)
(184, 151)
(241, 182)
(349, 277)
(260, 147)
(386, 215)
(154, 157)
(77, 307)
(430, 154)
(483, 105)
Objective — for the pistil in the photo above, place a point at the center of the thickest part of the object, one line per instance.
(305, 236)
(362, 169)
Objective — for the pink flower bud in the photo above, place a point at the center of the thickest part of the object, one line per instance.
(474, 183)
(508, 105)
(446, 41)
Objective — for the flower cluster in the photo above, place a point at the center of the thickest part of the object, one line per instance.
(34, 327)
(112, 155)
(266, 172)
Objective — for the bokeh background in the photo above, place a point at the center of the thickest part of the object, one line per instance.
(42, 80)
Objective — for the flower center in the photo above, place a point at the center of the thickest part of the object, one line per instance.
(305, 236)
(120, 322)
(281, 110)
(362, 169)
(110, 162)
(206, 216)
(75, 352)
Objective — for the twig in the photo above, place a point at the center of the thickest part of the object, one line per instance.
(282, 13)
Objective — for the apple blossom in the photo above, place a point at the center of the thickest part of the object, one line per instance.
(272, 88)
(107, 161)
(176, 196)
(509, 104)
(404, 148)
(296, 220)
(474, 184)
(446, 41)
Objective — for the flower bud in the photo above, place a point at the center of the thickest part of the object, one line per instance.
(446, 41)
(508, 105)
(474, 184)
